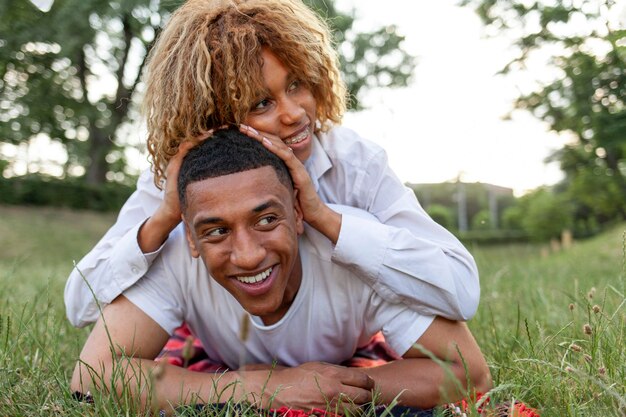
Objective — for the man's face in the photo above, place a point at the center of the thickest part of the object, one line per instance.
(245, 226)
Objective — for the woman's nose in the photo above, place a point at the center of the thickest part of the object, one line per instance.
(291, 112)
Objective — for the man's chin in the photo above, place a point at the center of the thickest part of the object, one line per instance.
(269, 314)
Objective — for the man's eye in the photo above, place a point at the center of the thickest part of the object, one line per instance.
(220, 231)
(267, 220)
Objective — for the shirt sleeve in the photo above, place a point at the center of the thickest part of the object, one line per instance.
(401, 326)
(116, 262)
(406, 256)
(159, 294)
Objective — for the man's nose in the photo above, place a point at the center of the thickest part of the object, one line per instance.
(247, 250)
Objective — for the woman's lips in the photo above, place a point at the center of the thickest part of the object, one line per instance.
(297, 138)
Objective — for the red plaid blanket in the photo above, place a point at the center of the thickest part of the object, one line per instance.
(183, 349)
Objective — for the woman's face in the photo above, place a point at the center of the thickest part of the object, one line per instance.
(288, 111)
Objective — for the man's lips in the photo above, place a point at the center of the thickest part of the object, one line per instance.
(258, 284)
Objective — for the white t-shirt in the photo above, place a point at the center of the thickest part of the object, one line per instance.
(333, 313)
(408, 258)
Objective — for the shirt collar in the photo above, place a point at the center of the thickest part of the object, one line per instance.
(318, 163)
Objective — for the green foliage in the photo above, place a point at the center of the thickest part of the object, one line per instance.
(492, 237)
(477, 198)
(482, 221)
(586, 208)
(73, 73)
(48, 191)
(442, 215)
(596, 195)
(546, 214)
(512, 218)
(69, 74)
(368, 59)
(585, 98)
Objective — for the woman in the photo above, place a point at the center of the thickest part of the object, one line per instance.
(268, 66)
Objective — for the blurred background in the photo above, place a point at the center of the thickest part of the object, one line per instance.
(506, 117)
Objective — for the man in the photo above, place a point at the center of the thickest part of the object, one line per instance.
(258, 291)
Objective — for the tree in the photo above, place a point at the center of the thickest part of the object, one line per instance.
(482, 221)
(73, 73)
(586, 97)
(546, 214)
(368, 59)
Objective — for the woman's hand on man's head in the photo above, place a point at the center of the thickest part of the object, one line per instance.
(314, 210)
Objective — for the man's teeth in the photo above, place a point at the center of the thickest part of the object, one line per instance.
(255, 278)
(298, 138)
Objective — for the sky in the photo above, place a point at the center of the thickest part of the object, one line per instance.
(449, 121)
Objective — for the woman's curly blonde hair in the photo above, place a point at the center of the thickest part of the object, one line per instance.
(205, 68)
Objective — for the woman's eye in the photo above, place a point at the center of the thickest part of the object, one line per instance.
(261, 104)
(294, 85)
(267, 220)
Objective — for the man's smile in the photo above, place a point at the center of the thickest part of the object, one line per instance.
(261, 276)
(260, 284)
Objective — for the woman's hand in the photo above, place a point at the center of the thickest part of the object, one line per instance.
(314, 210)
(154, 232)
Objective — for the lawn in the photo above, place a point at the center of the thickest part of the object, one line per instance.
(551, 324)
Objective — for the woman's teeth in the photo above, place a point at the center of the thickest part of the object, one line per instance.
(298, 138)
(256, 278)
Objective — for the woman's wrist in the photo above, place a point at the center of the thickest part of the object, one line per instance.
(328, 223)
(155, 231)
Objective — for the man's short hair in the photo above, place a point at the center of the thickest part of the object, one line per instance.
(227, 152)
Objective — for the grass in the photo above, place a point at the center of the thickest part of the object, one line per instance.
(552, 326)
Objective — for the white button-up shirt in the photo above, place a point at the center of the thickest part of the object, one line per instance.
(406, 256)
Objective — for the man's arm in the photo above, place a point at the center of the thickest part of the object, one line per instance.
(119, 356)
(423, 382)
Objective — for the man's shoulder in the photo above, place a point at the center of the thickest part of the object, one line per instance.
(175, 255)
(176, 243)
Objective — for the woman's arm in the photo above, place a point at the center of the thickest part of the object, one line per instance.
(405, 256)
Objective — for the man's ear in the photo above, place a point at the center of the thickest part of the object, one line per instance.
(190, 240)
(298, 213)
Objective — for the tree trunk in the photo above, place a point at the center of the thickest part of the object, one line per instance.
(99, 147)
(612, 161)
